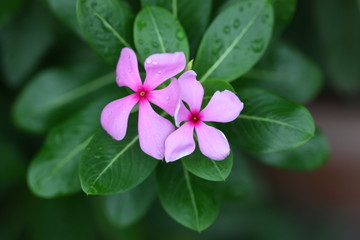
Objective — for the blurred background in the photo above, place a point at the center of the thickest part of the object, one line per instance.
(269, 203)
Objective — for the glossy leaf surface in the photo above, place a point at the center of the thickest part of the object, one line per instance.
(109, 166)
(106, 25)
(189, 200)
(157, 31)
(309, 156)
(235, 40)
(269, 123)
(286, 71)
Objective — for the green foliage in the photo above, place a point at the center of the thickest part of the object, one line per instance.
(157, 31)
(193, 15)
(189, 200)
(286, 71)
(55, 93)
(24, 43)
(208, 169)
(235, 40)
(309, 156)
(269, 123)
(106, 26)
(284, 11)
(108, 166)
(124, 209)
(54, 170)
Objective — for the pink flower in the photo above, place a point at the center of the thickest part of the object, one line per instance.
(153, 129)
(224, 106)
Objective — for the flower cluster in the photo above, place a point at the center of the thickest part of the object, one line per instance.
(157, 135)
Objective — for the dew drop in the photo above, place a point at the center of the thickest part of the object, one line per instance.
(154, 63)
(180, 34)
(257, 45)
(141, 25)
(236, 23)
(159, 72)
(146, 51)
(226, 29)
(141, 41)
(167, 97)
(241, 8)
(155, 44)
(148, 61)
(249, 4)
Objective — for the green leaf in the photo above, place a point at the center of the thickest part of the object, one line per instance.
(283, 13)
(25, 41)
(124, 209)
(12, 164)
(108, 166)
(65, 10)
(235, 40)
(206, 168)
(54, 170)
(339, 43)
(157, 31)
(193, 15)
(213, 85)
(269, 123)
(189, 200)
(8, 9)
(286, 71)
(106, 25)
(309, 156)
(55, 93)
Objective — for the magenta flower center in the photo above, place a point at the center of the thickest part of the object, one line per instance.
(195, 118)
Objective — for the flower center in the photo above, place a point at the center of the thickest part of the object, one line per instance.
(142, 93)
(195, 118)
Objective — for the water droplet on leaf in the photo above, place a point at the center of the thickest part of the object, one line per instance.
(236, 23)
(180, 34)
(257, 45)
(226, 29)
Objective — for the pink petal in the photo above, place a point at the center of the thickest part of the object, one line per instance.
(162, 66)
(153, 131)
(181, 114)
(180, 143)
(114, 117)
(212, 142)
(127, 72)
(224, 106)
(191, 90)
(166, 98)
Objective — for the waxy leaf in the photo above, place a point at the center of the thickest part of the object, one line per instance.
(106, 25)
(339, 43)
(286, 71)
(269, 123)
(54, 170)
(55, 93)
(157, 31)
(126, 208)
(25, 41)
(235, 40)
(109, 166)
(193, 15)
(309, 156)
(189, 200)
(65, 10)
(206, 168)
